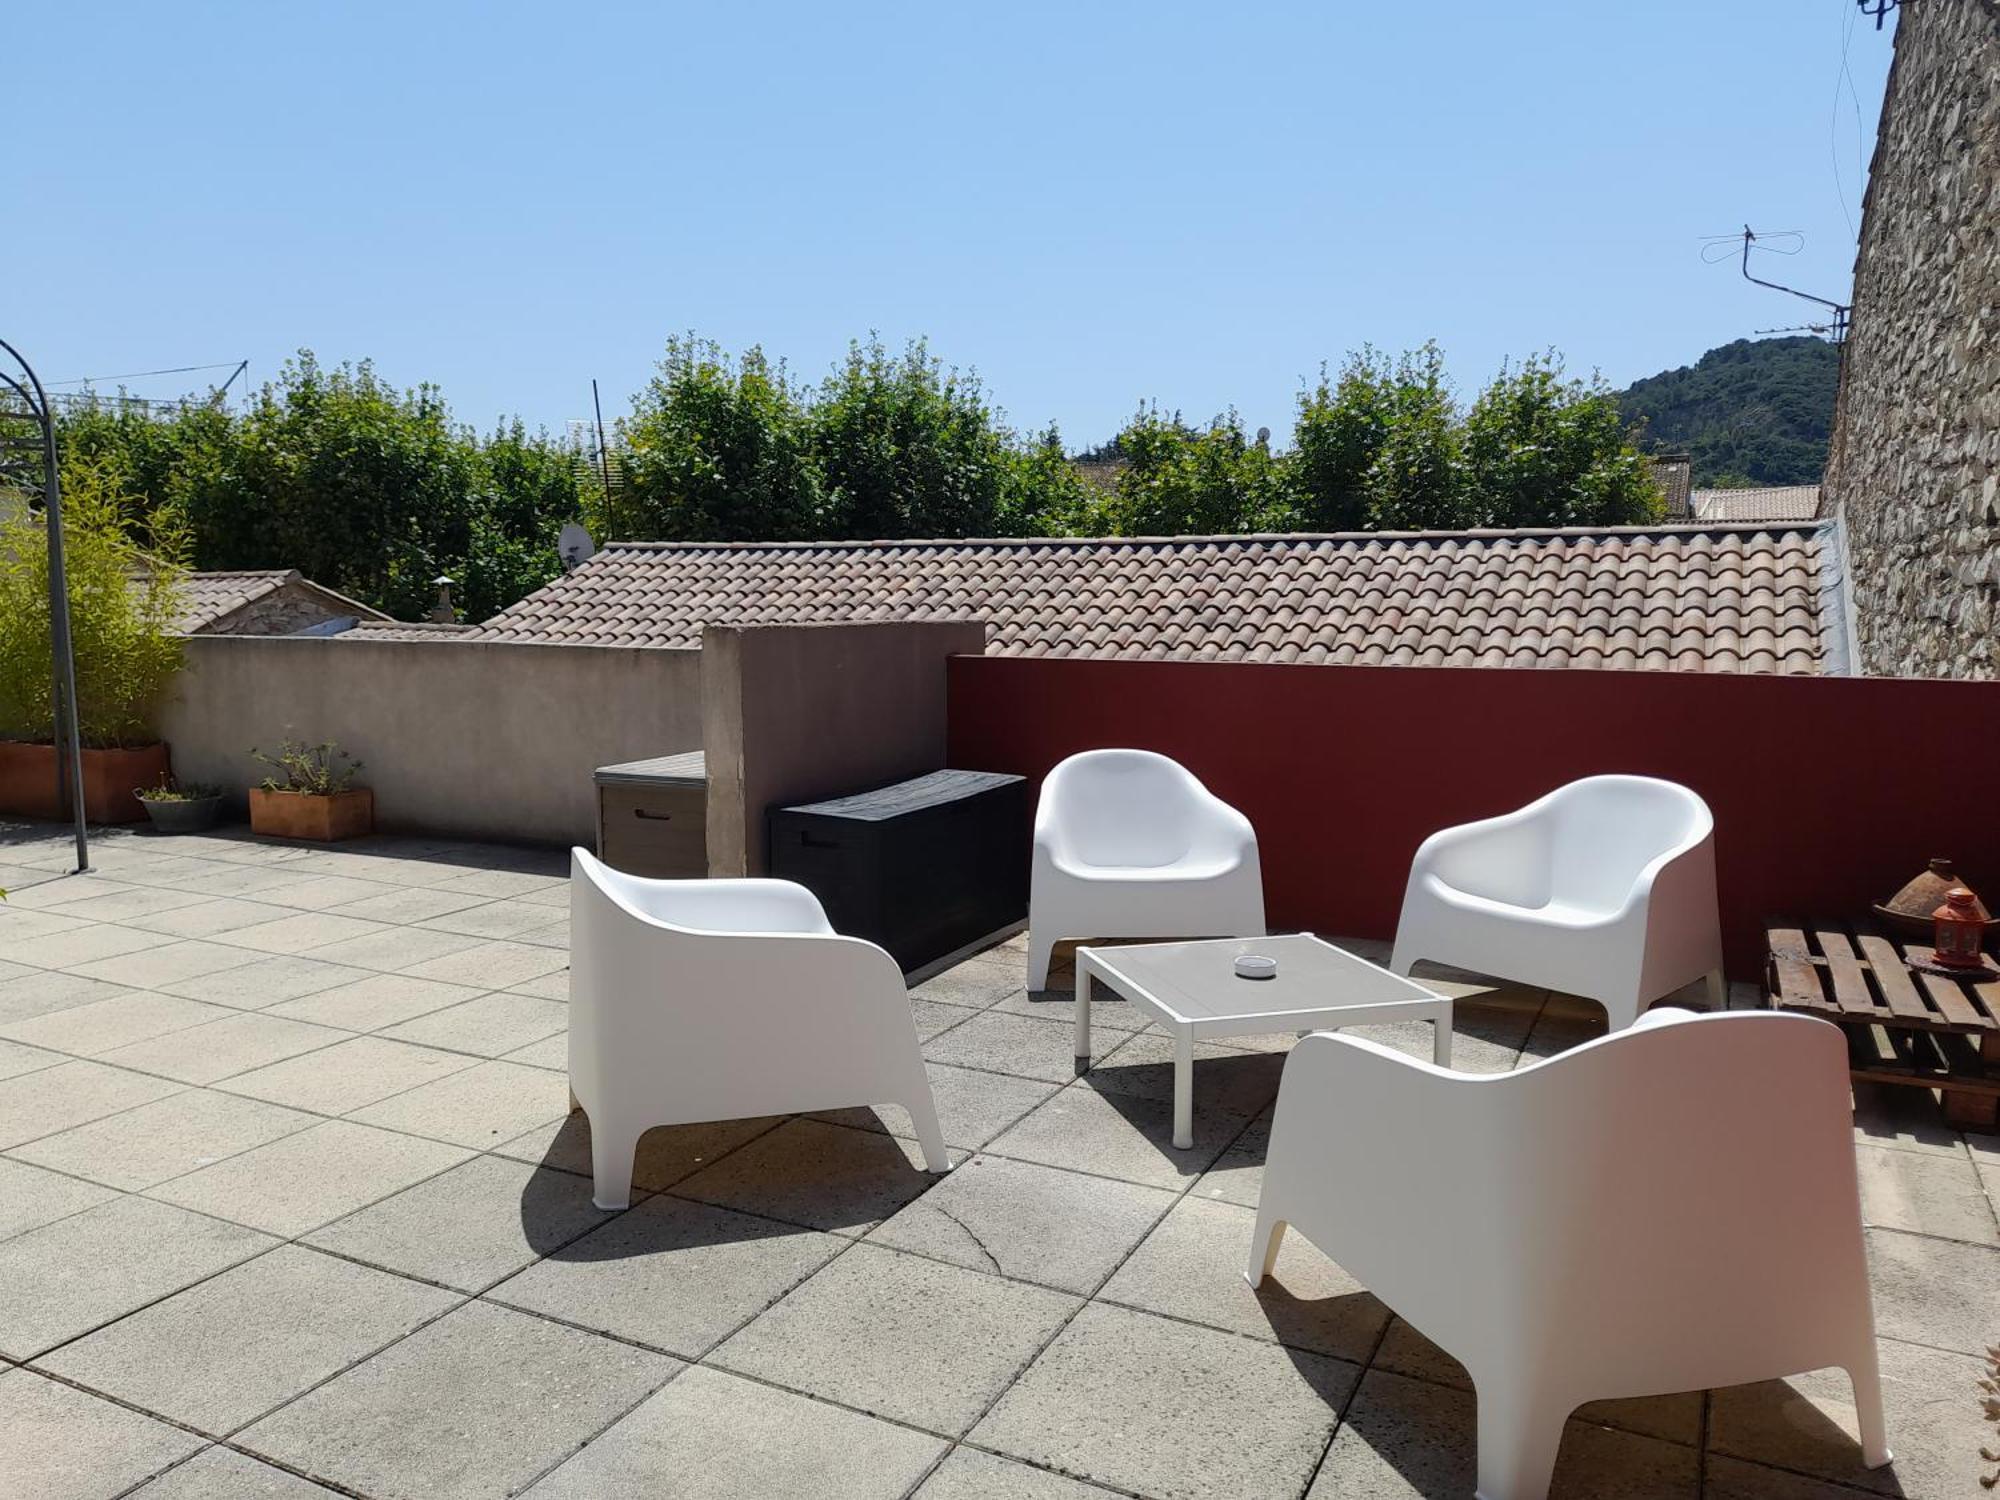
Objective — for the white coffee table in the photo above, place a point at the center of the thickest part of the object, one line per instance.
(1193, 990)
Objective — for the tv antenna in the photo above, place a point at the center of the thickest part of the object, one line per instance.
(1835, 330)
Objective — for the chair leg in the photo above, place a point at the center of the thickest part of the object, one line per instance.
(923, 1113)
(1866, 1374)
(613, 1149)
(1265, 1242)
(1718, 990)
(1402, 960)
(1519, 1433)
(1040, 947)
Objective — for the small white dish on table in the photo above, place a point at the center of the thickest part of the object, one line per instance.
(1195, 992)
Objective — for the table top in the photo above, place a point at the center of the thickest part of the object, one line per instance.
(1197, 982)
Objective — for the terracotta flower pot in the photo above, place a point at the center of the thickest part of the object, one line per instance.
(28, 780)
(302, 815)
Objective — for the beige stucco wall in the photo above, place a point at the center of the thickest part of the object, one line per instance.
(1914, 472)
(792, 713)
(476, 739)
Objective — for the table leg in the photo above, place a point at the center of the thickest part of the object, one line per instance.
(1184, 1088)
(1441, 1039)
(1082, 1019)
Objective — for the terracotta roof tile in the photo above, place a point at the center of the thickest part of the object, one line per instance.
(1690, 598)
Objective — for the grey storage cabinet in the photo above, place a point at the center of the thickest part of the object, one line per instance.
(924, 867)
(652, 816)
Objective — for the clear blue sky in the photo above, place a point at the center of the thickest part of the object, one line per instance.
(1091, 203)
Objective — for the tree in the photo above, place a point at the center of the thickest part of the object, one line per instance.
(1341, 428)
(1544, 451)
(1186, 481)
(907, 447)
(529, 488)
(1045, 495)
(717, 450)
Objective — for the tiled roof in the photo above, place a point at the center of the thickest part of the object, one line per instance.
(207, 599)
(1673, 473)
(401, 630)
(1790, 502)
(1715, 599)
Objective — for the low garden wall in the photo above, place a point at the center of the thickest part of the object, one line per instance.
(1828, 792)
(476, 739)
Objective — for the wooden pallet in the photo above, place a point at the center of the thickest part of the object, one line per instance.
(1903, 1026)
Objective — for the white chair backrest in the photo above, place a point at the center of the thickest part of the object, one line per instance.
(1125, 807)
(687, 905)
(1606, 829)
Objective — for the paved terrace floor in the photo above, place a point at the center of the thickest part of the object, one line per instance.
(290, 1201)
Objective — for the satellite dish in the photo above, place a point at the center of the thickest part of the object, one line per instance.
(1263, 437)
(576, 547)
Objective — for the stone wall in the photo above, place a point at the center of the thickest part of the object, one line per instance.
(1914, 471)
(289, 607)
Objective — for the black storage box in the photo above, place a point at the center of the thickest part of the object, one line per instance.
(924, 867)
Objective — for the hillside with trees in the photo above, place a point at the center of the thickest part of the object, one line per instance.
(1758, 411)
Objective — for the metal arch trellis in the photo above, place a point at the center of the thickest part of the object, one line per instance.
(29, 406)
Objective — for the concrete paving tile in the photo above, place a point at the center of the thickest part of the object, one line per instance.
(69, 1276)
(1927, 1291)
(371, 1002)
(551, 1052)
(395, 949)
(1238, 1174)
(1020, 1045)
(1225, 1077)
(481, 1106)
(180, 1133)
(49, 1100)
(104, 1025)
(256, 881)
(468, 1227)
(502, 883)
(240, 1041)
(1117, 1135)
(1556, 1032)
(665, 1156)
(31, 1197)
(160, 965)
(549, 986)
(968, 1474)
(61, 1444)
(112, 902)
(1404, 1437)
(265, 982)
(406, 904)
(972, 1106)
(492, 1025)
(1806, 1423)
(1923, 1193)
(221, 1474)
(14, 971)
(494, 919)
(41, 992)
(1733, 1479)
(224, 1352)
(491, 965)
(933, 1018)
(900, 1337)
(63, 889)
(208, 916)
(1191, 1267)
(70, 942)
(478, 1404)
(973, 986)
(1057, 1229)
(1111, 1015)
(347, 1076)
(707, 1435)
(1165, 1409)
(16, 1059)
(1486, 1038)
(305, 1180)
(812, 1173)
(319, 893)
(302, 931)
(676, 1275)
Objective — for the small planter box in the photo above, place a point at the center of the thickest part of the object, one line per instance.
(28, 783)
(182, 814)
(300, 815)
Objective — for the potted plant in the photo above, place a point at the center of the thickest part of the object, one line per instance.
(178, 808)
(314, 797)
(123, 600)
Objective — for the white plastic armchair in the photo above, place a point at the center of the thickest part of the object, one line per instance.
(1604, 888)
(1130, 844)
(723, 999)
(1668, 1208)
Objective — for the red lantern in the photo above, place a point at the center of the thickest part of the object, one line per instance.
(1961, 925)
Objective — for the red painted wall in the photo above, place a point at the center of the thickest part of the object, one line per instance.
(1828, 793)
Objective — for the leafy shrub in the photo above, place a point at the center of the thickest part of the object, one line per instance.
(321, 770)
(122, 603)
